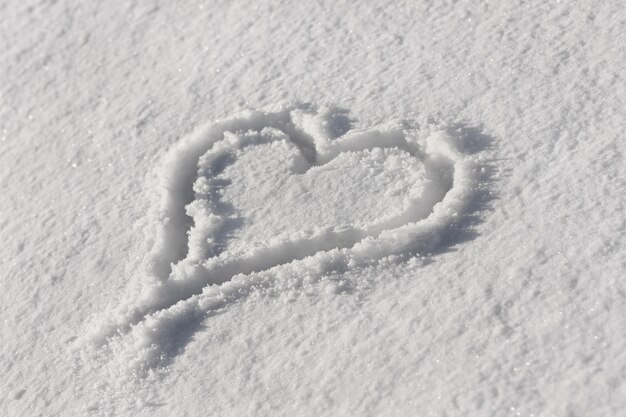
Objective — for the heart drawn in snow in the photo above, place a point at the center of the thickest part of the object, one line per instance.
(195, 268)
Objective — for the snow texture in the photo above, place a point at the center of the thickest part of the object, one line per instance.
(309, 208)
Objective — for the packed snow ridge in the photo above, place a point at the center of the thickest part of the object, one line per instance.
(193, 270)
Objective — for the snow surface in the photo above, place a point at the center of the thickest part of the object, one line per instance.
(313, 208)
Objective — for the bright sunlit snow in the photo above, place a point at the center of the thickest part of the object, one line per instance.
(302, 208)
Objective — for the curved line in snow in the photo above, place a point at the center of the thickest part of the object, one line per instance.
(186, 282)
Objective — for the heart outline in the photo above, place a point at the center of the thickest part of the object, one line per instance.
(185, 289)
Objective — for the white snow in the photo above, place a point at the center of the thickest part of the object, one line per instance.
(312, 208)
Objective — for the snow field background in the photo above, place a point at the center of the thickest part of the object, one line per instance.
(520, 313)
